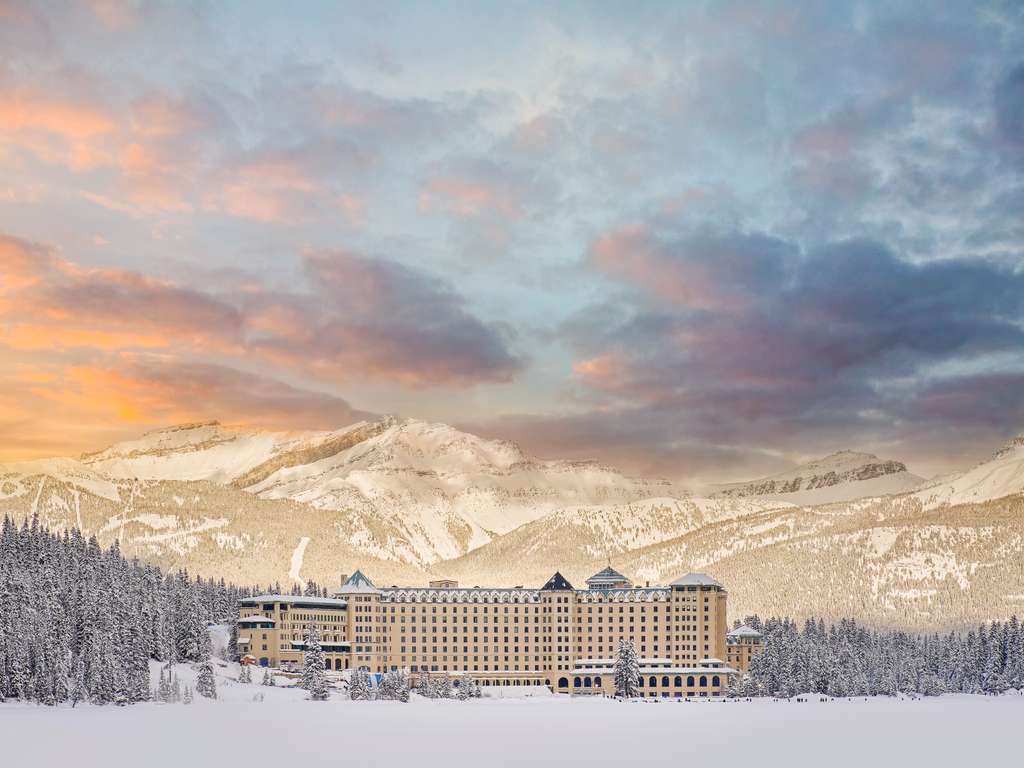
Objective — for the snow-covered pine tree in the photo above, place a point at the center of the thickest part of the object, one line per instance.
(359, 685)
(77, 622)
(268, 679)
(163, 691)
(314, 677)
(187, 696)
(245, 674)
(206, 686)
(627, 671)
(399, 684)
(443, 687)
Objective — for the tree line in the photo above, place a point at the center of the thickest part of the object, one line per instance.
(78, 623)
(848, 659)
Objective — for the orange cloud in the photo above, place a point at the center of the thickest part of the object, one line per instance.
(47, 301)
(57, 130)
(364, 318)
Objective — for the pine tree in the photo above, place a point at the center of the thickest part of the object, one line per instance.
(187, 698)
(627, 671)
(78, 692)
(359, 685)
(205, 683)
(268, 679)
(314, 678)
(163, 691)
(394, 686)
(245, 675)
(443, 686)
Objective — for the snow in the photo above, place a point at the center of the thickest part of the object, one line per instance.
(849, 489)
(296, 562)
(1002, 475)
(285, 729)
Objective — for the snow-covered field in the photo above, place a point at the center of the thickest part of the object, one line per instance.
(284, 729)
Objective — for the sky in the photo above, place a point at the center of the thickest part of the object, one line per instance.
(701, 240)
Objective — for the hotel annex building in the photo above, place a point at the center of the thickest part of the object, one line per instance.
(557, 636)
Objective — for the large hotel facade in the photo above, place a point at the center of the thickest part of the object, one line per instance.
(557, 636)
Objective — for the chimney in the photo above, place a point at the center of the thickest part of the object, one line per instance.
(344, 578)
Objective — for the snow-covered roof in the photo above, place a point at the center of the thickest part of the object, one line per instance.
(459, 595)
(357, 583)
(744, 631)
(607, 576)
(245, 639)
(258, 618)
(326, 602)
(696, 580)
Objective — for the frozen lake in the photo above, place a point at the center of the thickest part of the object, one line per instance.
(285, 730)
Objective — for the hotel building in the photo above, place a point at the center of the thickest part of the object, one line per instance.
(557, 636)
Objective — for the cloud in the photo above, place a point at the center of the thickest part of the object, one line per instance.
(361, 318)
(745, 340)
(77, 407)
(1009, 109)
(386, 319)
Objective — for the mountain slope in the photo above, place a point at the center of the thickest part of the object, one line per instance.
(999, 476)
(210, 529)
(409, 490)
(887, 561)
(575, 540)
(843, 476)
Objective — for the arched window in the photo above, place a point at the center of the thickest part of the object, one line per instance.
(703, 681)
(689, 681)
(640, 681)
(587, 682)
(653, 681)
(664, 682)
(715, 681)
(679, 681)
(575, 682)
(563, 682)
(547, 683)
(597, 682)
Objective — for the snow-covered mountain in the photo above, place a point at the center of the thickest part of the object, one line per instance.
(407, 500)
(842, 476)
(403, 490)
(999, 476)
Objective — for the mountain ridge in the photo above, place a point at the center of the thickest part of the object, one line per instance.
(410, 500)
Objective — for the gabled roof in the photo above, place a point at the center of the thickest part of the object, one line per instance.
(357, 582)
(607, 576)
(744, 631)
(556, 583)
(695, 580)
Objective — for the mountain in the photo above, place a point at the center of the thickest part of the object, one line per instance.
(1001, 475)
(887, 561)
(842, 476)
(403, 490)
(210, 529)
(407, 501)
(577, 540)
